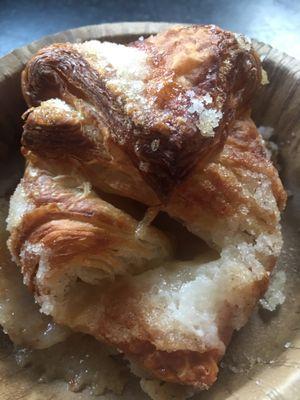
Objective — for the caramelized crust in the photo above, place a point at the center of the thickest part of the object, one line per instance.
(63, 211)
(67, 247)
(72, 138)
(193, 82)
(239, 191)
(176, 128)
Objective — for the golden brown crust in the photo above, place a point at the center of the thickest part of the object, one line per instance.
(240, 183)
(123, 314)
(64, 215)
(85, 260)
(186, 64)
(186, 367)
(75, 138)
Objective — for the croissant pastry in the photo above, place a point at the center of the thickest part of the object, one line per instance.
(166, 122)
(164, 103)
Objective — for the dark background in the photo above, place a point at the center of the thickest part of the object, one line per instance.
(274, 22)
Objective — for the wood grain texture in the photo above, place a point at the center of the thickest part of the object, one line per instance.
(258, 365)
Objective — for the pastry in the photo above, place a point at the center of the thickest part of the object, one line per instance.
(165, 122)
(167, 102)
(30, 329)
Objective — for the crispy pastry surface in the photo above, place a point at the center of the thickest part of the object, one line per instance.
(167, 101)
(93, 266)
(19, 314)
(173, 320)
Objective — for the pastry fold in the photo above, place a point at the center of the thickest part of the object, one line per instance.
(87, 267)
(96, 267)
(19, 314)
(166, 101)
(62, 213)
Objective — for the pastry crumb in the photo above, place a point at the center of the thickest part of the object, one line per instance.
(243, 41)
(264, 77)
(275, 296)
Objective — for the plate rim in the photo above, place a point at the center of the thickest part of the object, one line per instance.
(20, 55)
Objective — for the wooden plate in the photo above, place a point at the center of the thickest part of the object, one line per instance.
(263, 361)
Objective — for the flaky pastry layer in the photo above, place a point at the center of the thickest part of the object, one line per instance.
(166, 101)
(173, 133)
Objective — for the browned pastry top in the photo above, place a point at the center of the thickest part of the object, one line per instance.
(222, 203)
(188, 85)
(166, 118)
